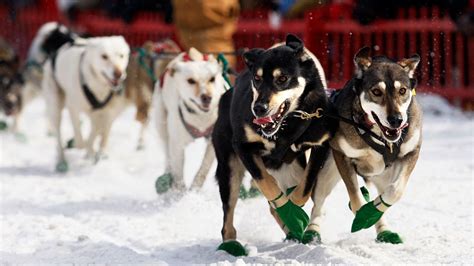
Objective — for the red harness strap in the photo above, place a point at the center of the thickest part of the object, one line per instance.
(193, 131)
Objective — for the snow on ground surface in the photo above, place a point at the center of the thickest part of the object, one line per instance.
(109, 212)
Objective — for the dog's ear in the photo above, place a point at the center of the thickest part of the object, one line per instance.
(251, 56)
(362, 61)
(194, 54)
(410, 64)
(295, 43)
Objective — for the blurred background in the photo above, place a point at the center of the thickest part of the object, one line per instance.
(441, 31)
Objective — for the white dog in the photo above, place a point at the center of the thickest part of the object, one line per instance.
(85, 76)
(186, 100)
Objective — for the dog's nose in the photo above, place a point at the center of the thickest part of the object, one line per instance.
(206, 99)
(117, 73)
(395, 120)
(260, 109)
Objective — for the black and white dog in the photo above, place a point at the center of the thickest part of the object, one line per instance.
(381, 144)
(260, 129)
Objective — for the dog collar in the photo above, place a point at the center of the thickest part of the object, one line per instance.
(193, 131)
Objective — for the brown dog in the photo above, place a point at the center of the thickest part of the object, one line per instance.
(146, 67)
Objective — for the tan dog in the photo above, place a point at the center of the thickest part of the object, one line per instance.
(144, 69)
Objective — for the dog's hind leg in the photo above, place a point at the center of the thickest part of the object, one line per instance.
(327, 179)
(206, 164)
(54, 106)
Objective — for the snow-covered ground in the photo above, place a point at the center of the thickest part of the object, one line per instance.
(110, 213)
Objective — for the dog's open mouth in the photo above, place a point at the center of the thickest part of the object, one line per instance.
(203, 107)
(271, 124)
(391, 134)
(113, 82)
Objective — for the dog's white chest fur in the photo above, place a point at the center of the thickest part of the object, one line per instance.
(367, 161)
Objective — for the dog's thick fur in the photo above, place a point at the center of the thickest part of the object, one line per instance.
(10, 81)
(101, 62)
(380, 93)
(244, 139)
(192, 85)
(144, 69)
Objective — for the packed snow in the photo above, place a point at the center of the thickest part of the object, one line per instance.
(109, 212)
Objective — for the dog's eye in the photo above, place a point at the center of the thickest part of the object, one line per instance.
(282, 79)
(257, 78)
(105, 57)
(191, 81)
(212, 79)
(376, 92)
(402, 91)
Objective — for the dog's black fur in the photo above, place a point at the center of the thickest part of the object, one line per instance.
(56, 39)
(229, 137)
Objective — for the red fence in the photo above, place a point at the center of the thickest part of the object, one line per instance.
(447, 56)
(447, 65)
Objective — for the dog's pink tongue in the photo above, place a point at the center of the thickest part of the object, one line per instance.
(263, 120)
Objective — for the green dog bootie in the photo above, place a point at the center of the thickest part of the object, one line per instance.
(70, 144)
(388, 236)
(243, 194)
(3, 125)
(311, 236)
(365, 217)
(163, 183)
(233, 247)
(253, 192)
(62, 167)
(290, 237)
(294, 217)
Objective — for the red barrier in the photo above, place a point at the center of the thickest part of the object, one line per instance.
(447, 56)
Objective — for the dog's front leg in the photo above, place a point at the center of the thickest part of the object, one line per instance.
(293, 216)
(391, 186)
(206, 164)
(176, 149)
(349, 176)
(372, 212)
(76, 125)
(302, 192)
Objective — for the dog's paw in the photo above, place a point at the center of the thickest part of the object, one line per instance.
(294, 217)
(365, 217)
(233, 247)
(62, 167)
(311, 237)
(389, 237)
(243, 193)
(290, 237)
(163, 183)
(3, 125)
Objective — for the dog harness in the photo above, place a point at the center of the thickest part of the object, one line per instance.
(96, 104)
(389, 151)
(193, 131)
